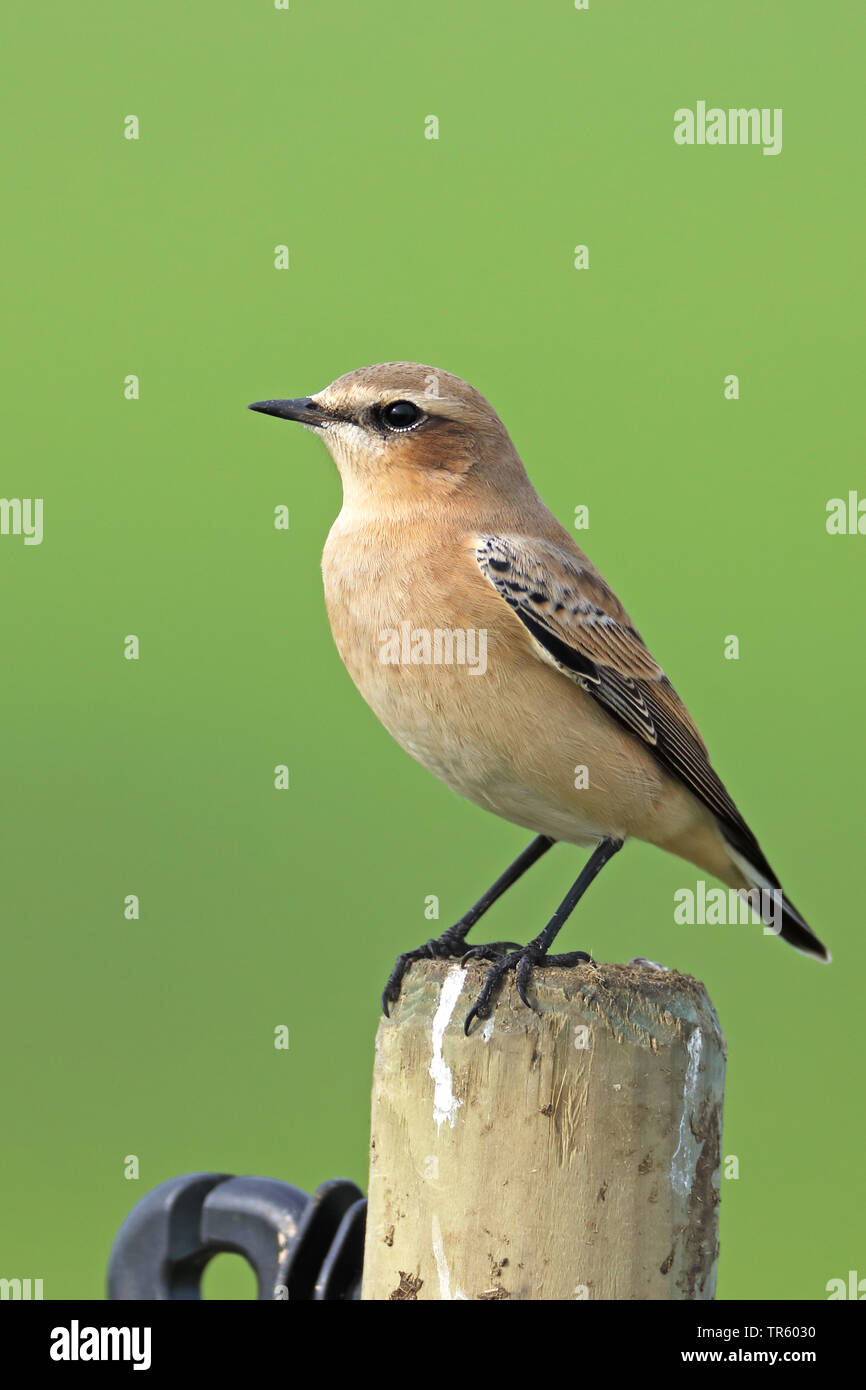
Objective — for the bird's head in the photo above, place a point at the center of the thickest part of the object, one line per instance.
(401, 433)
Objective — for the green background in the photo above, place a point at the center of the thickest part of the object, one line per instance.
(155, 777)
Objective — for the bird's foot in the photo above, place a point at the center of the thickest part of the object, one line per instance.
(450, 945)
(489, 950)
(522, 961)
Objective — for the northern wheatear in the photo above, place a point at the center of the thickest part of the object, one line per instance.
(495, 653)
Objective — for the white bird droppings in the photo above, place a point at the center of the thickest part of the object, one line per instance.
(685, 1160)
(445, 1103)
(442, 1264)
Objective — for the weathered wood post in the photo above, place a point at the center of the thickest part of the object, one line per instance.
(566, 1154)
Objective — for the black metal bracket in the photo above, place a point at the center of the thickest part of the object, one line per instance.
(300, 1246)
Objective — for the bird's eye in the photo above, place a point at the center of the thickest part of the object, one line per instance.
(401, 415)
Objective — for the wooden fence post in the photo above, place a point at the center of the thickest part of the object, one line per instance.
(572, 1153)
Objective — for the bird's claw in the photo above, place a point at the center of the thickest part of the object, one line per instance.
(391, 993)
(504, 955)
(490, 950)
(450, 945)
(522, 961)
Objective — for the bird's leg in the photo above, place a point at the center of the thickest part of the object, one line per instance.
(523, 959)
(452, 941)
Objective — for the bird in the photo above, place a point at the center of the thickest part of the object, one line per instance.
(442, 537)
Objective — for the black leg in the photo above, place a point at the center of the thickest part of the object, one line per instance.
(452, 941)
(523, 959)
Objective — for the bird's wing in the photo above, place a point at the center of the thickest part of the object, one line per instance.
(580, 625)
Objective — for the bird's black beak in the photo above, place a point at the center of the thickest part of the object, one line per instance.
(304, 410)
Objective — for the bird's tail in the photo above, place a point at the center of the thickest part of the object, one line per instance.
(794, 929)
